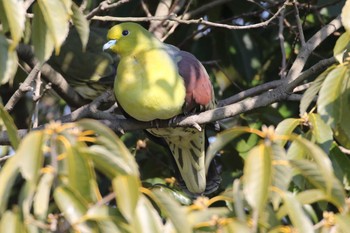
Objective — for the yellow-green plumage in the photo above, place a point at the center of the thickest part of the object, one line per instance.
(147, 90)
(158, 81)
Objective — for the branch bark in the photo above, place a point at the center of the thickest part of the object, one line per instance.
(23, 88)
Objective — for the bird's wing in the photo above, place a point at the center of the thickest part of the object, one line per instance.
(199, 91)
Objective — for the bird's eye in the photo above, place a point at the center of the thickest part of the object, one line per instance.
(125, 32)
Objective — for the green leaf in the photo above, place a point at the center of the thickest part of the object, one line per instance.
(108, 218)
(236, 226)
(321, 131)
(324, 164)
(41, 37)
(103, 212)
(107, 162)
(8, 61)
(26, 199)
(333, 102)
(146, 218)
(81, 24)
(107, 226)
(312, 91)
(126, 189)
(305, 198)
(42, 196)
(107, 138)
(281, 173)
(257, 176)
(340, 46)
(221, 139)
(11, 222)
(178, 195)
(80, 173)
(10, 127)
(329, 101)
(296, 214)
(341, 166)
(30, 156)
(335, 194)
(238, 197)
(198, 217)
(73, 208)
(8, 175)
(172, 210)
(345, 16)
(56, 17)
(12, 17)
(68, 5)
(286, 127)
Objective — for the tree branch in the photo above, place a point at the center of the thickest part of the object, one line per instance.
(281, 40)
(298, 21)
(103, 6)
(189, 21)
(23, 88)
(307, 49)
(204, 8)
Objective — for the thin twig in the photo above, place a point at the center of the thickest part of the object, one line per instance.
(145, 9)
(4, 158)
(174, 26)
(302, 87)
(23, 88)
(204, 8)
(190, 21)
(157, 28)
(103, 6)
(106, 199)
(298, 21)
(283, 50)
(91, 109)
(249, 93)
(36, 97)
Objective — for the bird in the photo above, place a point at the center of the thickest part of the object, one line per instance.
(158, 81)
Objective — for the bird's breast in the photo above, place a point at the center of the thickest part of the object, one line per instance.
(148, 86)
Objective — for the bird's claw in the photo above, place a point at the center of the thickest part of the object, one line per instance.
(172, 121)
(197, 126)
(155, 123)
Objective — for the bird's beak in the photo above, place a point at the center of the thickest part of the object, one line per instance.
(109, 44)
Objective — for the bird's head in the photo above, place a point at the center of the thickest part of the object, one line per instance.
(129, 38)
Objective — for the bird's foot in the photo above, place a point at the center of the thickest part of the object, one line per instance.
(172, 121)
(155, 123)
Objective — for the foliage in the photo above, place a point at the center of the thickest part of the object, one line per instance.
(285, 167)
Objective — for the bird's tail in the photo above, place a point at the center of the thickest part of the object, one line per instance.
(187, 147)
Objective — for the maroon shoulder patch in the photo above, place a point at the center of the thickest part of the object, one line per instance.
(199, 91)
